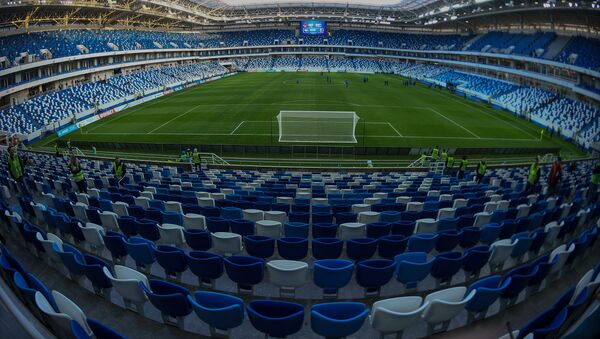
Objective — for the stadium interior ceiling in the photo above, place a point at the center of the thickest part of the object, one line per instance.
(582, 17)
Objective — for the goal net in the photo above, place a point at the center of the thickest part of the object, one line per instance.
(317, 126)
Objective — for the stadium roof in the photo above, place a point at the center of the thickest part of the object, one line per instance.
(386, 4)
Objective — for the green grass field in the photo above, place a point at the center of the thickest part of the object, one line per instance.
(241, 110)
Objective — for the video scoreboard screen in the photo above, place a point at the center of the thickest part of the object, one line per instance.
(313, 27)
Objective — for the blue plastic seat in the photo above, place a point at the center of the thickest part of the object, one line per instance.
(115, 243)
(141, 251)
(539, 237)
(245, 271)
(337, 319)
(390, 216)
(373, 274)
(327, 248)
(217, 224)
(259, 246)
(475, 258)
(543, 268)
(332, 274)
(508, 229)
(345, 217)
(127, 225)
(361, 248)
(412, 267)
(519, 278)
(171, 217)
(170, 299)
(276, 318)
(153, 214)
(324, 230)
(199, 240)
(73, 261)
(523, 242)
(296, 229)
(446, 265)
(448, 240)
(470, 236)
(158, 204)
(405, 228)
(545, 323)
(94, 272)
(292, 248)
(488, 290)
(171, 259)
(301, 207)
(28, 286)
(206, 266)
(220, 311)
(242, 227)
(391, 245)
(489, 233)
(422, 242)
(148, 229)
(320, 218)
(102, 331)
(231, 213)
(378, 229)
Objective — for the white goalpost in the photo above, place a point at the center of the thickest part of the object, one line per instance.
(317, 126)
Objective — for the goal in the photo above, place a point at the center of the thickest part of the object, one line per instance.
(317, 126)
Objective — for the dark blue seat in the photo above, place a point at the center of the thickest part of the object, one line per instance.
(345, 217)
(231, 213)
(170, 299)
(448, 240)
(446, 265)
(171, 259)
(545, 323)
(259, 246)
(475, 258)
(94, 272)
(327, 248)
(276, 318)
(321, 218)
(391, 245)
(242, 227)
(489, 233)
(245, 271)
(405, 228)
(324, 230)
(141, 251)
(73, 261)
(470, 236)
(361, 248)
(332, 274)
(292, 248)
(217, 224)
(148, 229)
(338, 319)
(373, 274)
(412, 267)
(519, 278)
(171, 217)
(378, 229)
(115, 243)
(422, 242)
(487, 291)
(206, 266)
(220, 311)
(199, 240)
(296, 229)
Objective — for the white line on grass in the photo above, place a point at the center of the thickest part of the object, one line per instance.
(238, 126)
(395, 130)
(177, 117)
(385, 123)
(454, 122)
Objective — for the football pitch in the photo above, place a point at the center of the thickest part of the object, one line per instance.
(242, 109)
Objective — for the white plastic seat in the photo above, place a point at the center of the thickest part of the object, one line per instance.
(202, 195)
(560, 254)
(50, 253)
(443, 306)
(38, 210)
(351, 230)
(94, 192)
(552, 229)
(147, 194)
(446, 197)
(171, 234)
(253, 215)
(279, 216)
(194, 221)
(60, 322)
(142, 201)
(368, 217)
(460, 203)
(482, 218)
(93, 236)
(79, 210)
(503, 205)
(393, 315)
(522, 211)
(414, 206)
(206, 201)
(126, 281)
(120, 208)
(403, 200)
(372, 201)
(66, 306)
(217, 196)
(285, 200)
(490, 207)
(358, 208)
(226, 243)
(109, 220)
(173, 206)
(268, 228)
(447, 212)
(287, 275)
(501, 251)
(83, 198)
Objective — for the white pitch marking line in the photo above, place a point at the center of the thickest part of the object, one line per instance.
(454, 122)
(395, 130)
(179, 116)
(236, 128)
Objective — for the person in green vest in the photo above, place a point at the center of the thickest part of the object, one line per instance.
(94, 150)
(16, 169)
(56, 150)
(119, 169)
(370, 163)
(77, 174)
(182, 156)
(188, 154)
(435, 153)
(462, 167)
(196, 160)
(444, 156)
(533, 176)
(449, 164)
(69, 145)
(481, 169)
